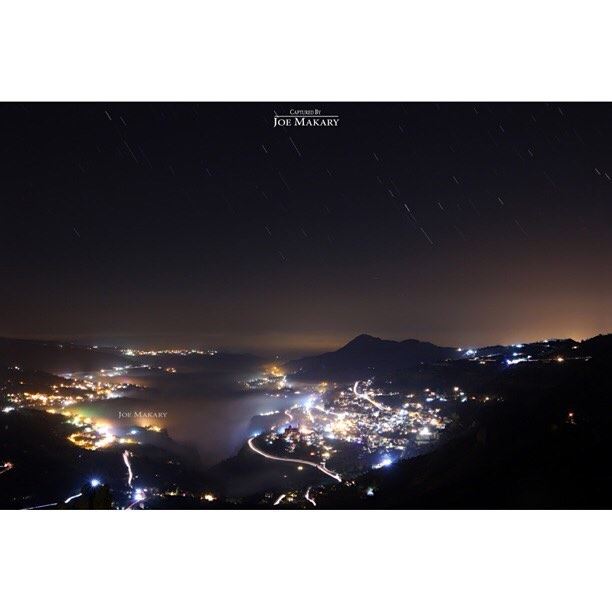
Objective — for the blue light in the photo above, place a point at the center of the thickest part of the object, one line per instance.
(386, 461)
(94, 482)
(309, 402)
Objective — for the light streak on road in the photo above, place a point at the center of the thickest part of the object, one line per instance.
(43, 506)
(289, 417)
(307, 496)
(279, 500)
(126, 460)
(139, 496)
(366, 397)
(72, 497)
(6, 467)
(319, 466)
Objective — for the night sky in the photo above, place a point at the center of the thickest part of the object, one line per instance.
(202, 225)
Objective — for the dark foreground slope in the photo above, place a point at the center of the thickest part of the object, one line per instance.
(540, 448)
(47, 468)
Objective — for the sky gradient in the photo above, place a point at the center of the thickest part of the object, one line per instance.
(202, 225)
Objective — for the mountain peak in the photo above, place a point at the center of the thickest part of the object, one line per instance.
(366, 355)
(362, 339)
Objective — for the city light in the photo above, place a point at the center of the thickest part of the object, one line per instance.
(387, 461)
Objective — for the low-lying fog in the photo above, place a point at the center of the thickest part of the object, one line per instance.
(210, 409)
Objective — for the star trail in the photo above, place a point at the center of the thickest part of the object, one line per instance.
(458, 223)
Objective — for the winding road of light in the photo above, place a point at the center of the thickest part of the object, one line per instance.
(319, 466)
(366, 397)
(126, 460)
(307, 496)
(43, 506)
(7, 466)
(72, 497)
(139, 497)
(136, 501)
